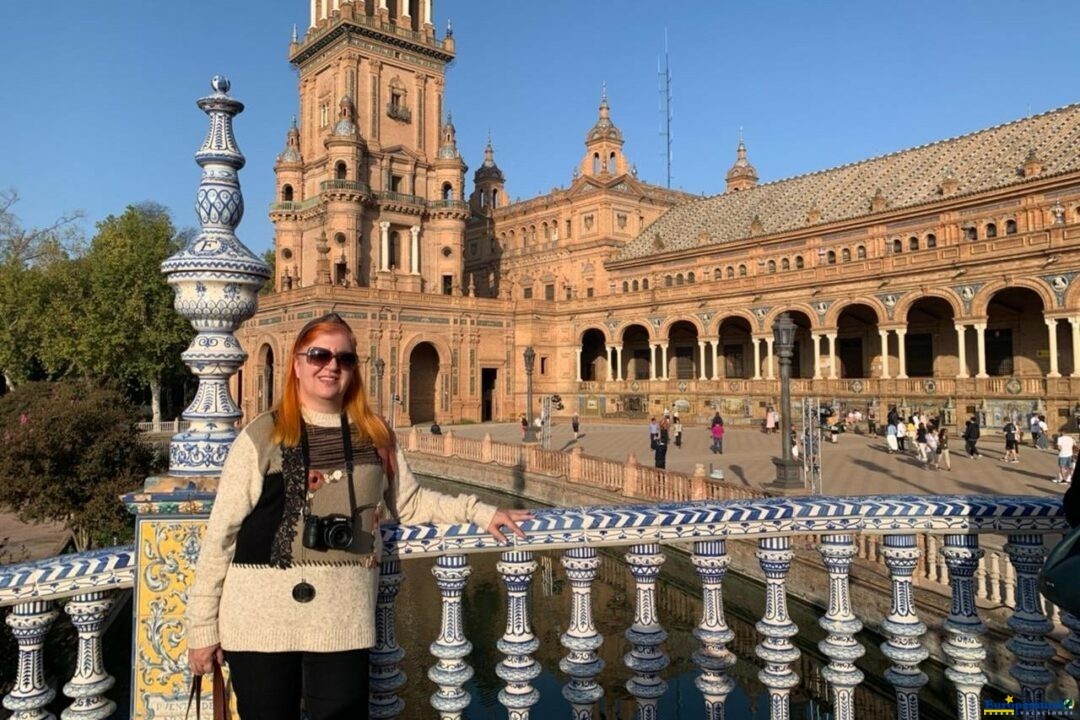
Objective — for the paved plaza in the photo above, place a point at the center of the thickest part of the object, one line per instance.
(855, 465)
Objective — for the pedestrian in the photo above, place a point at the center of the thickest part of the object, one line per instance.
(1044, 431)
(660, 452)
(920, 443)
(717, 432)
(893, 417)
(931, 450)
(676, 430)
(654, 432)
(871, 420)
(901, 434)
(524, 425)
(891, 439)
(1033, 425)
(1066, 445)
(1011, 442)
(285, 584)
(575, 425)
(717, 420)
(770, 420)
(971, 437)
(943, 449)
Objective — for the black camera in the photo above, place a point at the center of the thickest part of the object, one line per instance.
(329, 532)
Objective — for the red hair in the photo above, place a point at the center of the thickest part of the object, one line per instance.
(355, 403)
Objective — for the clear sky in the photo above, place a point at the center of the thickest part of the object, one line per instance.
(97, 98)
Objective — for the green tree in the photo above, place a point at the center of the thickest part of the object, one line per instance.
(131, 331)
(26, 256)
(270, 258)
(68, 448)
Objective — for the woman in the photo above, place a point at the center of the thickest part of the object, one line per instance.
(943, 449)
(717, 432)
(286, 581)
(575, 425)
(676, 430)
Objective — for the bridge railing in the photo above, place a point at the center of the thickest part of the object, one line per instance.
(842, 526)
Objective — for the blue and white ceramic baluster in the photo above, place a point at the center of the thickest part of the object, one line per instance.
(451, 672)
(837, 552)
(964, 645)
(1072, 643)
(646, 635)
(777, 628)
(90, 682)
(385, 675)
(216, 280)
(29, 623)
(582, 641)
(1028, 621)
(711, 562)
(519, 669)
(904, 646)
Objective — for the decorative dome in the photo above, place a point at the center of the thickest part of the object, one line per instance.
(448, 149)
(291, 153)
(346, 124)
(489, 170)
(604, 129)
(742, 174)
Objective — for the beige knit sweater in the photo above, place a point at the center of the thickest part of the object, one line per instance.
(249, 605)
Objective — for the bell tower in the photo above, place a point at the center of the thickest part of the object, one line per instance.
(362, 168)
(489, 184)
(603, 146)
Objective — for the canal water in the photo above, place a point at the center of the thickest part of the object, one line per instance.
(679, 601)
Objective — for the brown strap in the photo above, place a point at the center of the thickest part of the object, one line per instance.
(222, 691)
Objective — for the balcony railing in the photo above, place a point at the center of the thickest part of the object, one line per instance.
(396, 197)
(346, 185)
(841, 527)
(449, 205)
(295, 205)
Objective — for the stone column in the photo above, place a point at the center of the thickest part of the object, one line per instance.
(769, 358)
(618, 362)
(901, 353)
(646, 658)
(884, 335)
(87, 688)
(386, 677)
(711, 561)
(840, 646)
(577, 364)
(451, 648)
(757, 357)
(980, 341)
(776, 627)
(664, 360)
(652, 361)
(384, 245)
(701, 347)
(1074, 323)
(961, 350)
(715, 359)
(964, 646)
(816, 339)
(832, 356)
(414, 250)
(1051, 326)
(582, 664)
(1028, 622)
(903, 627)
(518, 643)
(609, 353)
(426, 18)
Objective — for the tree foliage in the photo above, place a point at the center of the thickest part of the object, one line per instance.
(270, 258)
(68, 449)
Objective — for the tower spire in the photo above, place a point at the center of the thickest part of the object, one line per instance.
(742, 175)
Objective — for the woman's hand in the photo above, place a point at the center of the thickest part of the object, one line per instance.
(508, 518)
(201, 660)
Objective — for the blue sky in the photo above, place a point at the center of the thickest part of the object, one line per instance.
(98, 97)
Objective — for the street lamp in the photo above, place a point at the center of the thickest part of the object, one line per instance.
(530, 429)
(787, 470)
(380, 365)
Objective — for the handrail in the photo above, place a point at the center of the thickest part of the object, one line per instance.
(67, 575)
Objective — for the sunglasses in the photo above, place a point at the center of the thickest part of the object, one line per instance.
(321, 357)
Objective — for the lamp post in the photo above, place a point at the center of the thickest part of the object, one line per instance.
(380, 366)
(530, 429)
(787, 470)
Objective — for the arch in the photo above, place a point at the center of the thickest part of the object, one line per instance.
(785, 264)
(1016, 331)
(424, 375)
(598, 327)
(690, 278)
(722, 316)
(802, 361)
(1010, 227)
(734, 334)
(594, 355)
(683, 354)
(678, 278)
(266, 383)
(860, 252)
(611, 162)
(667, 281)
(982, 299)
(832, 318)
(845, 255)
(637, 353)
(931, 240)
(730, 273)
(495, 197)
(448, 191)
(857, 340)
(830, 257)
(665, 328)
(634, 285)
(645, 284)
(742, 270)
(913, 243)
(649, 334)
(286, 193)
(905, 302)
(971, 233)
(626, 286)
(771, 266)
(799, 262)
(930, 343)
(991, 230)
(596, 163)
(341, 170)
(546, 230)
(792, 308)
(897, 246)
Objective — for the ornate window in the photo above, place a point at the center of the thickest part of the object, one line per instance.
(772, 266)
(645, 284)
(830, 257)
(931, 240)
(287, 193)
(690, 278)
(397, 105)
(667, 281)
(625, 286)
(913, 243)
(845, 255)
(634, 286)
(860, 252)
(897, 246)
(971, 233)
(730, 272)
(991, 230)
(742, 271)
(341, 171)
(679, 279)
(1010, 227)
(785, 264)
(448, 191)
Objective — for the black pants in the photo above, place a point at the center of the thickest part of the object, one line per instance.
(270, 686)
(969, 447)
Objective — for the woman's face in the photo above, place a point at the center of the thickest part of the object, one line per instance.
(322, 388)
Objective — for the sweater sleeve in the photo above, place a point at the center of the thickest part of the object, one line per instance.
(238, 491)
(412, 503)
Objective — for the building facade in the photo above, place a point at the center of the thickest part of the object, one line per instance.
(940, 277)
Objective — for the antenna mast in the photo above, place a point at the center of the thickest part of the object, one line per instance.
(664, 80)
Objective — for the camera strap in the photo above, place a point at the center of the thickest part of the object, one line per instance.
(346, 442)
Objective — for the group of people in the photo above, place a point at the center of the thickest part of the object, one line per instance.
(661, 434)
(927, 438)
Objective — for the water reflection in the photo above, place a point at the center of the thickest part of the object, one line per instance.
(679, 602)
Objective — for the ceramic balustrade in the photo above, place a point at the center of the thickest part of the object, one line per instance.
(86, 586)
